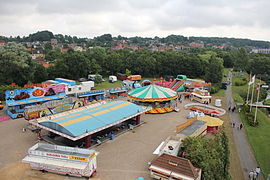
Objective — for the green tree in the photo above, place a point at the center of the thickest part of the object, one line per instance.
(16, 64)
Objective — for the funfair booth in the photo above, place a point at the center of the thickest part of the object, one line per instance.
(62, 160)
(83, 122)
(160, 99)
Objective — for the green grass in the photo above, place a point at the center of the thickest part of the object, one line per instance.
(107, 85)
(221, 92)
(259, 137)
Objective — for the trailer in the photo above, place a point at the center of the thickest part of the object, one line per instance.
(62, 160)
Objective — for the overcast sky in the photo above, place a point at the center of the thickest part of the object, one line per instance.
(147, 18)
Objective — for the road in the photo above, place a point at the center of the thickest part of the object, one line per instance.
(246, 155)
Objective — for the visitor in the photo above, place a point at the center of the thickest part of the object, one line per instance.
(258, 170)
(23, 130)
(233, 124)
(251, 175)
(240, 126)
(229, 108)
(254, 175)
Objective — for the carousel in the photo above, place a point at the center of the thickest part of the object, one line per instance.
(161, 99)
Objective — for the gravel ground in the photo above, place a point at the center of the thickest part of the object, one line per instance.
(124, 158)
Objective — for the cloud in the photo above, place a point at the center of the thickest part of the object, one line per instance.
(137, 18)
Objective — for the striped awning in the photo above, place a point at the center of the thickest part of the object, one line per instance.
(152, 93)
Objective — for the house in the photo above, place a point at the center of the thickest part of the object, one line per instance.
(196, 45)
(2, 43)
(171, 167)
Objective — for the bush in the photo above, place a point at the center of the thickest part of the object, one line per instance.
(266, 102)
(250, 118)
(215, 88)
(239, 82)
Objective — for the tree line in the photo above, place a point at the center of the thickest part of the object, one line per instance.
(106, 40)
(17, 67)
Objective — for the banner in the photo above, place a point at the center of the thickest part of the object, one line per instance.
(252, 80)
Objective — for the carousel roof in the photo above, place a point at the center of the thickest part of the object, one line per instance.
(152, 93)
(211, 121)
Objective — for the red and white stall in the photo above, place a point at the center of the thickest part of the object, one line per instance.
(62, 160)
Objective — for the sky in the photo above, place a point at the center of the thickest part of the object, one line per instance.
(129, 18)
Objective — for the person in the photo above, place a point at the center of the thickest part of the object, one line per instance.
(254, 175)
(229, 108)
(233, 109)
(240, 126)
(233, 124)
(251, 175)
(23, 129)
(258, 170)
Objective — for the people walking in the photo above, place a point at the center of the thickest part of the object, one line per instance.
(233, 124)
(258, 171)
(240, 126)
(251, 175)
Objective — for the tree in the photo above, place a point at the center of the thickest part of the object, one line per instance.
(16, 64)
(214, 70)
(40, 36)
(241, 60)
(40, 74)
(211, 155)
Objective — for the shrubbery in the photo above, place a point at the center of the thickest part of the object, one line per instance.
(240, 82)
(211, 155)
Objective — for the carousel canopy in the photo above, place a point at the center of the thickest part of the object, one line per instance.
(152, 93)
(211, 121)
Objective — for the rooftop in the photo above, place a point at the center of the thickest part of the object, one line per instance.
(175, 165)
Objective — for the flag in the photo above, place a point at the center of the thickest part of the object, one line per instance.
(252, 80)
(258, 88)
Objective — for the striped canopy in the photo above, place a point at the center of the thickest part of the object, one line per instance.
(152, 93)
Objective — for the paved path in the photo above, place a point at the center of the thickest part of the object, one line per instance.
(247, 158)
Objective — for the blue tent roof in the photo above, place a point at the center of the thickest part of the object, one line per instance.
(87, 120)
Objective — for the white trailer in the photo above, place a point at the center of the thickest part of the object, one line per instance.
(112, 79)
(82, 88)
(62, 160)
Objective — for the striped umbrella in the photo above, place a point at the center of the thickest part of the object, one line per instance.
(152, 93)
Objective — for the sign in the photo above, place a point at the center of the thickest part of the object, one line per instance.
(78, 158)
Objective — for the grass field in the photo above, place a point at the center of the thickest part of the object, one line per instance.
(107, 85)
(259, 137)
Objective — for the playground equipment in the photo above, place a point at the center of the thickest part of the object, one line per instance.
(178, 83)
(162, 82)
(161, 99)
(114, 93)
(200, 95)
(146, 83)
(130, 84)
(17, 100)
(206, 109)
